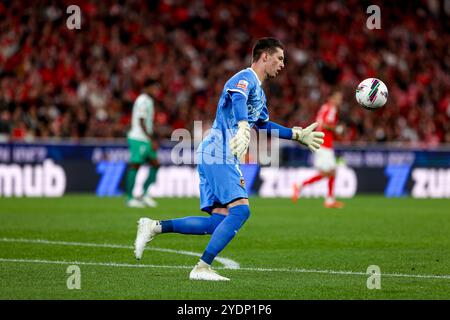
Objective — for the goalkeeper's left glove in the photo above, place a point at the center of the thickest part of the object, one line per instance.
(239, 143)
(308, 137)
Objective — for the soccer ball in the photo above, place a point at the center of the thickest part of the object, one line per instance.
(372, 93)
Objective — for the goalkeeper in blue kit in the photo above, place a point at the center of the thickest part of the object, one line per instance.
(241, 106)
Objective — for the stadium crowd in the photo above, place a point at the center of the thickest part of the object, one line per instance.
(57, 82)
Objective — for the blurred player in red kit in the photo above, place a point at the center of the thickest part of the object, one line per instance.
(324, 159)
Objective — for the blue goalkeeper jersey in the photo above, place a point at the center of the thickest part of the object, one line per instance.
(225, 126)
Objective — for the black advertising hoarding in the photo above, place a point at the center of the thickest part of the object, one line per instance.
(52, 170)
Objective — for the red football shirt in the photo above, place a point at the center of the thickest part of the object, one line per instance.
(327, 115)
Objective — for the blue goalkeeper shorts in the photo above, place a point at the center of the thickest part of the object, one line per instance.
(220, 184)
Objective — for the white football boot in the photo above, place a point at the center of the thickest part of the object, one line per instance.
(203, 271)
(149, 201)
(135, 203)
(146, 231)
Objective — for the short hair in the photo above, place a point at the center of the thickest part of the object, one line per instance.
(150, 82)
(336, 89)
(334, 92)
(268, 45)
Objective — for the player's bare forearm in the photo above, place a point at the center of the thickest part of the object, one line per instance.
(336, 128)
(149, 135)
(329, 127)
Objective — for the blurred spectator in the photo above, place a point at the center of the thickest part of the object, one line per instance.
(56, 82)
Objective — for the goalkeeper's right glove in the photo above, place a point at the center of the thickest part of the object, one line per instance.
(308, 137)
(239, 143)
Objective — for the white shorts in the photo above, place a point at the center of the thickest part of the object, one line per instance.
(324, 160)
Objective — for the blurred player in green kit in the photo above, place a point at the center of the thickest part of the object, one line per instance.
(141, 142)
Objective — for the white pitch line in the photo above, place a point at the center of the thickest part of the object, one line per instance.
(90, 263)
(227, 263)
(400, 275)
(127, 265)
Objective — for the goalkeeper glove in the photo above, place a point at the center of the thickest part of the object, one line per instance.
(308, 137)
(239, 143)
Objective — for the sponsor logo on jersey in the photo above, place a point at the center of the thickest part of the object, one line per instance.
(242, 84)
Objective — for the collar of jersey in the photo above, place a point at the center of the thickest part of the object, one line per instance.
(259, 81)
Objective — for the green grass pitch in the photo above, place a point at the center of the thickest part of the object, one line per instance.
(284, 251)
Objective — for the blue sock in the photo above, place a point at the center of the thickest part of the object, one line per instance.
(192, 225)
(226, 231)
